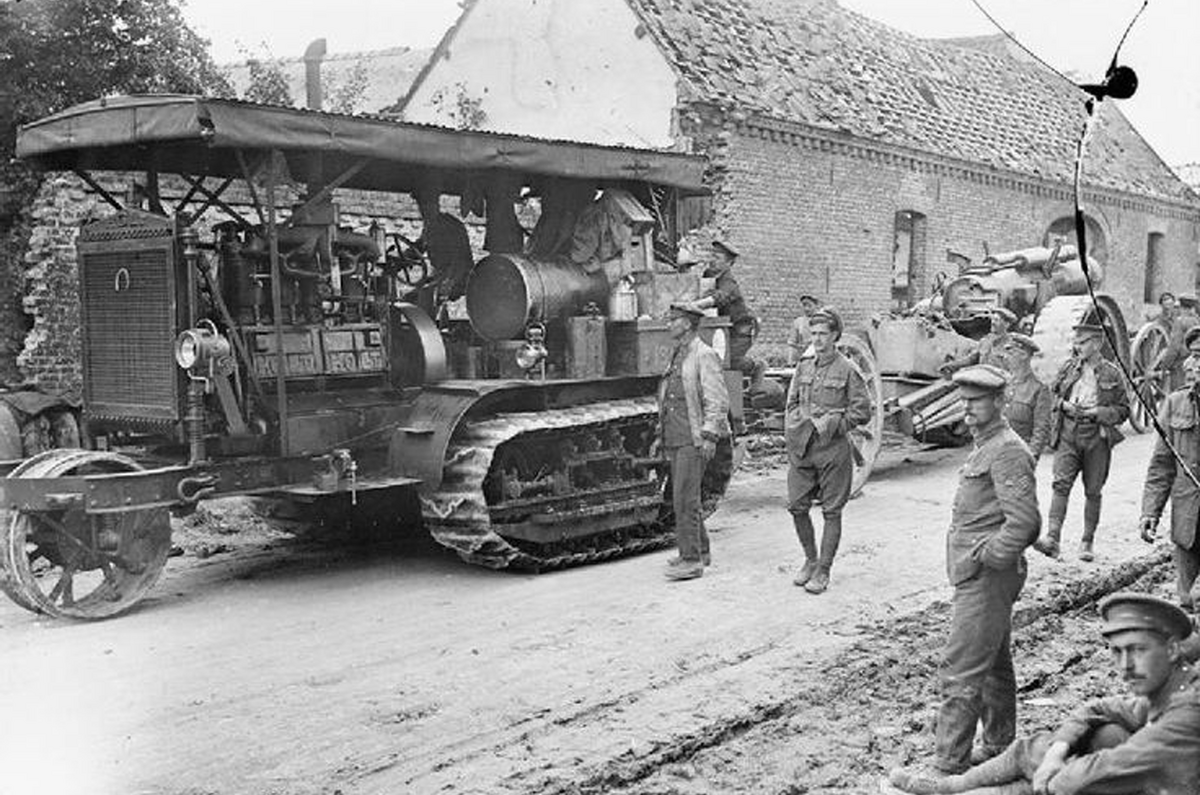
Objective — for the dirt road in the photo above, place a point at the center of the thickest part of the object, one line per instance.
(300, 669)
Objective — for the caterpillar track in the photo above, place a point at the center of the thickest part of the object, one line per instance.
(553, 489)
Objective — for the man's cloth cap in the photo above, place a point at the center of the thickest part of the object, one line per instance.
(1192, 335)
(1025, 341)
(980, 380)
(685, 308)
(1165, 294)
(726, 246)
(1125, 611)
(828, 317)
(1005, 313)
(1187, 299)
(807, 297)
(1088, 328)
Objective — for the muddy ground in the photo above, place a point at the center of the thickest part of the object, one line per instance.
(269, 663)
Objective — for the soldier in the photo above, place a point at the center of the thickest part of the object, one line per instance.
(1168, 308)
(1089, 403)
(826, 399)
(727, 298)
(995, 518)
(693, 415)
(1180, 418)
(1135, 745)
(1171, 358)
(800, 336)
(1027, 403)
(991, 348)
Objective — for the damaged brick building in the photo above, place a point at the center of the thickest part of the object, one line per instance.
(848, 159)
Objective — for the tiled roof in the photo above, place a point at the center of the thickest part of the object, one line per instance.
(814, 62)
(389, 73)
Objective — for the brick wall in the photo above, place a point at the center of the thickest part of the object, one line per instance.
(816, 214)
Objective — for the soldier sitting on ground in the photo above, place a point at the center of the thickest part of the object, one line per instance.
(1144, 744)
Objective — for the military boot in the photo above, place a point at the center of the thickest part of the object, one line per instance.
(831, 536)
(1048, 544)
(808, 542)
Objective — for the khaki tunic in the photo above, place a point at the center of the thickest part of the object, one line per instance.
(1027, 410)
(1180, 418)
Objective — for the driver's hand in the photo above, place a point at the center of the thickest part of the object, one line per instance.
(708, 449)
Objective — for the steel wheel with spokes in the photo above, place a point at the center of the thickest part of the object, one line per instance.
(1149, 383)
(66, 562)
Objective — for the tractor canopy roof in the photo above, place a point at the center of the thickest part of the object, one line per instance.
(218, 137)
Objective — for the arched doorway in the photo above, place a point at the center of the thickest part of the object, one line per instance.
(1063, 229)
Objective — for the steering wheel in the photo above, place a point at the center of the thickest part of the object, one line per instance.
(405, 260)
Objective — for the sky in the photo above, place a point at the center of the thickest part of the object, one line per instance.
(1071, 35)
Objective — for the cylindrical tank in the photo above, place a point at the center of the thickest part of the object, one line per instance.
(507, 291)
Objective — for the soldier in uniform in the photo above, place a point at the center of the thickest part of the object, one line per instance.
(1180, 418)
(826, 399)
(1089, 403)
(799, 337)
(995, 517)
(1183, 320)
(1142, 744)
(1027, 404)
(726, 296)
(693, 416)
(991, 348)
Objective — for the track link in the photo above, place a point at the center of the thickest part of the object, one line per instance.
(459, 515)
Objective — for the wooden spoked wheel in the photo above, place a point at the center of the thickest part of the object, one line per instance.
(1149, 384)
(68, 563)
(867, 439)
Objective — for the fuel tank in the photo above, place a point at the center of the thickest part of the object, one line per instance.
(508, 291)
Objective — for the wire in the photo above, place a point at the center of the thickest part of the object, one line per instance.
(1025, 49)
(1081, 240)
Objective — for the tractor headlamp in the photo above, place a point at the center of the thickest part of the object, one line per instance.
(197, 347)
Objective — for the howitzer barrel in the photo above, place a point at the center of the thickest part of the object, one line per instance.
(507, 291)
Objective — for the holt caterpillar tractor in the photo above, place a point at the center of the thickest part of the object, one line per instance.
(277, 350)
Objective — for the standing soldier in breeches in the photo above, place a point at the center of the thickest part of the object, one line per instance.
(1089, 403)
(826, 399)
(1180, 418)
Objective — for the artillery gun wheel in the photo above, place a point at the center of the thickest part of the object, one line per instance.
(67, 563)
(1053, 331)
(868, 439)
(1148, 383)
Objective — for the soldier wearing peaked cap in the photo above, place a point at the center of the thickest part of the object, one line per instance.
(1180, 419)
(826, 399)
(693, 418)
(991, 347)
(995, 517)
(1090, 401)
(799, 335)
(1027, 402)
(726, 296)
(1148, 742)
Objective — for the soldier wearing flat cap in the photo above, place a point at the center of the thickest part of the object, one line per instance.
(826, 400)
(726, 296)
(1147, 743)
(1089, 403)
(693, 418)
(1180, 419)
(995, 517)
(799, 336)
(1183, 320)
(1027, 402)
(992, 346)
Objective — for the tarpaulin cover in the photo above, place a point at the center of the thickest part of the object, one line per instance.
(199, 136)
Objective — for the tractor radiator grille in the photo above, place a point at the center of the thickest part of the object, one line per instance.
(129, 329)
